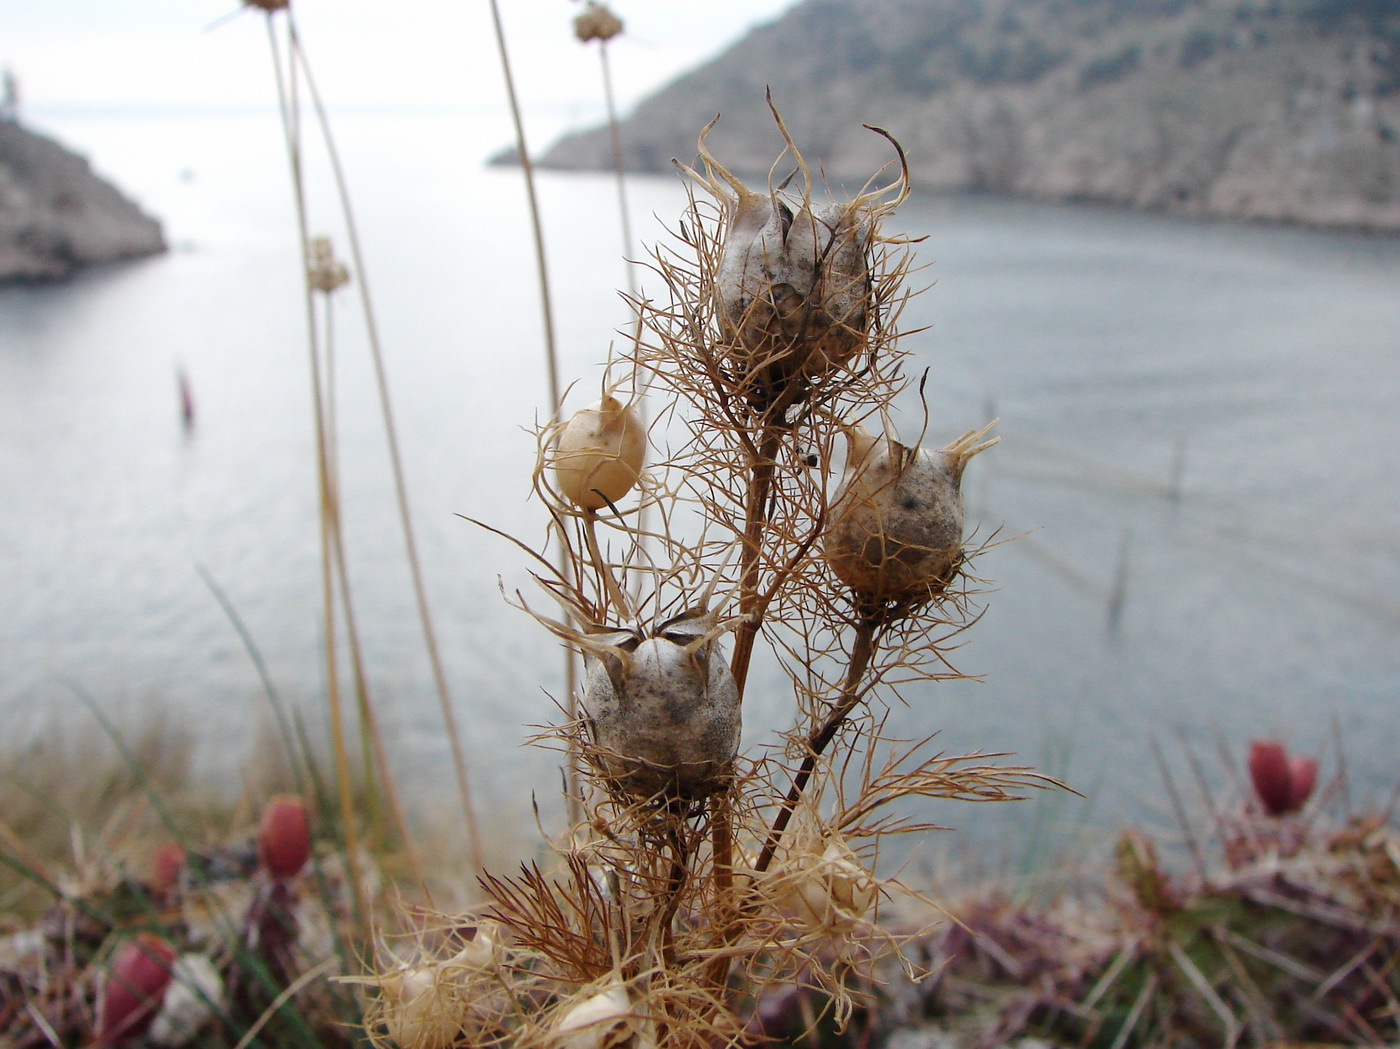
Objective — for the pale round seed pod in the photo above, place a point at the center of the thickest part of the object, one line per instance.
(423, 1008)
(896, 528)
(599, 453)
(793, 285)
(603, 1019)
(828, 890)
(663, 709)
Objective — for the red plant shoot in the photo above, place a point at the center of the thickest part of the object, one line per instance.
(134, 989)
(284, 836)
(1282, 783)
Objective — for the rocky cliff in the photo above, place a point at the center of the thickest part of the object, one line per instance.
(56, 214)
(1284, 110)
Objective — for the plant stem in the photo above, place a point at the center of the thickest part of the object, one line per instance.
(396, 461)
(286, 95)
(862, 651)
(750, 557)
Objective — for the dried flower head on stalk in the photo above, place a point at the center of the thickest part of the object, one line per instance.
(699, 875)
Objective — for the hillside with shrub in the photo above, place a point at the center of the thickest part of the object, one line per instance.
(1283, 110)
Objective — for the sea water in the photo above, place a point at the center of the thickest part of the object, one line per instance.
(1197, 476)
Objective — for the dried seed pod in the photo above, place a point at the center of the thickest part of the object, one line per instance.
(596, 23)
(603, 1019)
(599, 452)
(794, 281)
(896, 526)
(793, 284)
(663, 707)
(826, 886)
(423, 1007)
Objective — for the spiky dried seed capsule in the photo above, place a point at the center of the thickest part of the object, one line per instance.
(598, 456)
(663, 709)
(896, 526)
(793, 285)
(596, 23)
(829, 890)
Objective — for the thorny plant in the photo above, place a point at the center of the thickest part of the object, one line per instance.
(700, 875)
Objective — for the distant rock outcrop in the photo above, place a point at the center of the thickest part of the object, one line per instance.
(56, 215)
(1285, 110)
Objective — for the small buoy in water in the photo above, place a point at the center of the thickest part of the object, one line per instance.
(186, 399)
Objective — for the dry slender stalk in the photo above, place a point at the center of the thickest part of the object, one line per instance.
(395, 459)
(287, 101)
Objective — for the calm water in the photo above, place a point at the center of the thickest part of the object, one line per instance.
(1201, 447)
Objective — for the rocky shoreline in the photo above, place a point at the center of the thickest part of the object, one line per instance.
(1277, 111)
(57, 215)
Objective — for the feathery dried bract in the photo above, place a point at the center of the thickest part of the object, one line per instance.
(896, 528)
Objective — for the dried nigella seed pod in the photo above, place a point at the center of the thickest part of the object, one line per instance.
(599, 453)
(602, 1019)
(827, 887)
(896, 526)
(793, 286)
(663, 707)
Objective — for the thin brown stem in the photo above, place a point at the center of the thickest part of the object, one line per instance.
(862, 651)
(287, 104)
(396, 460)
(751, 555)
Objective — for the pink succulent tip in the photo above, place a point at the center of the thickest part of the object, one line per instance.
(167, 861)
(134, 989)
(284, 837)
(1282, 783)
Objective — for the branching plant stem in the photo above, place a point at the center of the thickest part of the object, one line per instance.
(862, 651)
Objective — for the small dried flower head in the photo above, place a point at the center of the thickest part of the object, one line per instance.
(323, 272)
(663, 707)
(1282, 783)
(599, 1019)
(827, 887)
(284, 836)
(134, 989)
(267, 5)
(599, 453)
(896, 526)
(596, 23)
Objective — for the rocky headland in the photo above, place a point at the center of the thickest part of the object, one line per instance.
(56, 214)
(1280, 110)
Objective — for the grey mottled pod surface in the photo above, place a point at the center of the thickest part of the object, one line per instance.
(663, 710)
(793, 283)
(896, 527)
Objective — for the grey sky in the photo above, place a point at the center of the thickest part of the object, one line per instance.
(141, 53)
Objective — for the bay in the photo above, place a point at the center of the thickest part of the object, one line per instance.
(1198, 464)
